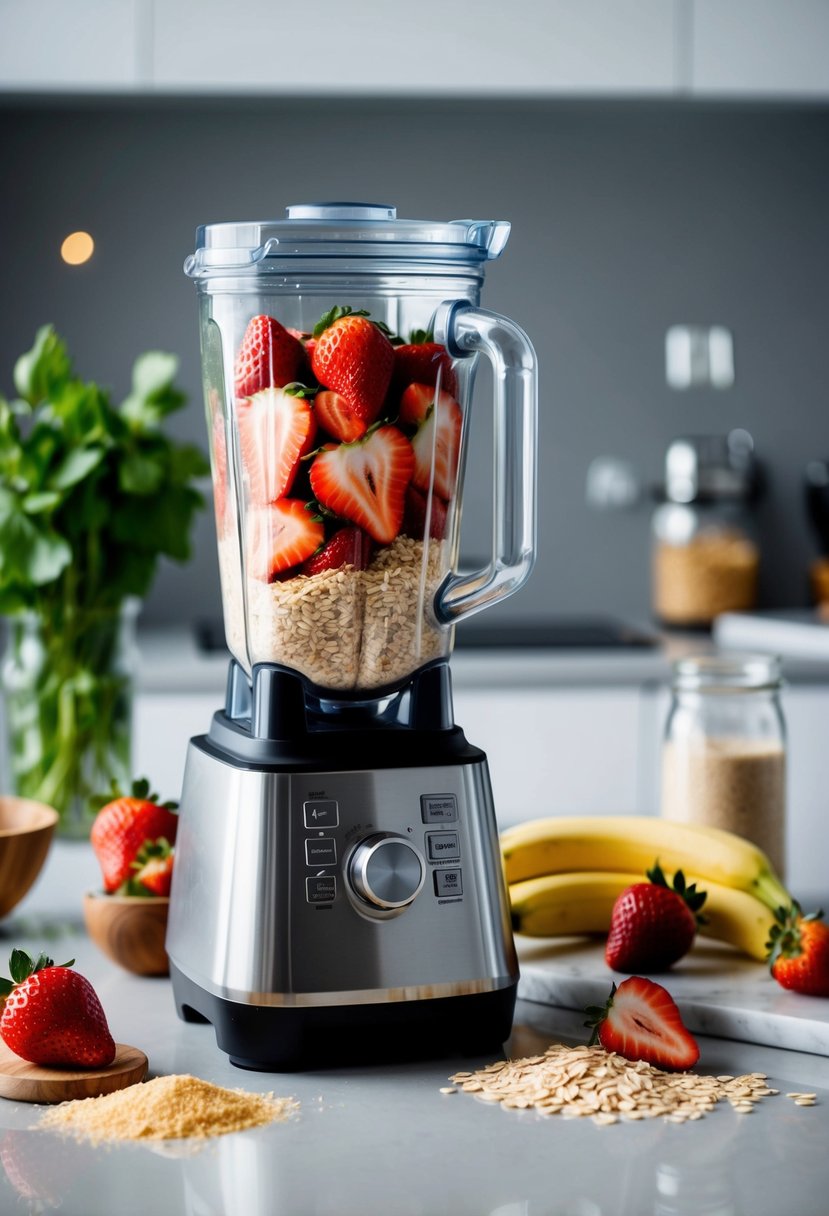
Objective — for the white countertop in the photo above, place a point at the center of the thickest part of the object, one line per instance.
(385, 1142)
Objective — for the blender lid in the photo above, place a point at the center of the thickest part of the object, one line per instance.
(342, 230)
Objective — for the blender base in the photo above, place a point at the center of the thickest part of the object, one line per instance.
(273, 1039)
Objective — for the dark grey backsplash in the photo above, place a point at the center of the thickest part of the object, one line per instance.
(627, 217)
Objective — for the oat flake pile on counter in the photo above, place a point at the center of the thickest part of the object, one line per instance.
(588, 1081)
(167, 1108)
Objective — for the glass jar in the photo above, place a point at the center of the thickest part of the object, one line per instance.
(705, 555)
(68, 695)
(724, 753)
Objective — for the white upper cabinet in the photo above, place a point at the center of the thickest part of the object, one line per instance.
(71, 45)
(374, 46)
(762, 48)
(527, 48)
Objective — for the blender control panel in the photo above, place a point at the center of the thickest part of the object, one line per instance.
(374, 863)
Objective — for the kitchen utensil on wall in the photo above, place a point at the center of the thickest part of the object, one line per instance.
(338, 883)
(705, 554)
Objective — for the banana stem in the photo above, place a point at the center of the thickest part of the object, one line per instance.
(768, 888)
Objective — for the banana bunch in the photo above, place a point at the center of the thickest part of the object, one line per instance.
(564, 875)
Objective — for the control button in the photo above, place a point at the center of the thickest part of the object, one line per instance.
(443, 846)
(323, 814)
(321, 890)
(438, 808)
(386, 870)
(321, 852)
(448, 882)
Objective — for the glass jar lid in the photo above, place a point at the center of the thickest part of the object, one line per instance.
(342, 230)
(727, 673)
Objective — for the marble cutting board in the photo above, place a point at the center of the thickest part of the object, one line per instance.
(718, 991)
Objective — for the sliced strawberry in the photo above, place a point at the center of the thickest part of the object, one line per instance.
(276, 428)
(281, 535)
(640, 1021)
(348, 547)
(414, 517)
(153, 869)
(337, 417)
(352, 356)
(423, 363)
(437, 439)
(365, 482)
(268, 357)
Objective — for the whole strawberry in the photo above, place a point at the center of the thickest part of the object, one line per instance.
(353, 357)
(640, 1021)
(269, 357)
(799, 951)
(122, 827)
(52, 1015)
(423, 361)
(652, 925)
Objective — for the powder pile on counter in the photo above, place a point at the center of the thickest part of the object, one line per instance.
(167, 1108)
(589, 1081)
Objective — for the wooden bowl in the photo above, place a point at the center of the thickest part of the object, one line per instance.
(26, 829)
(129, 929)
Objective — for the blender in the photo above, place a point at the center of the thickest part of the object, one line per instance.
(338, 890)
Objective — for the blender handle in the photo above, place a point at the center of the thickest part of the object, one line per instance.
(464, 331)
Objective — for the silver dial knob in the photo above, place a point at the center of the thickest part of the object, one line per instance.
(386, 870)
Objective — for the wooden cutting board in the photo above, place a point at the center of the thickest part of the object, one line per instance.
(24, 1082)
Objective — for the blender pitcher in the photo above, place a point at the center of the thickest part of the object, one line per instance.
(338, 887)
(338, 352)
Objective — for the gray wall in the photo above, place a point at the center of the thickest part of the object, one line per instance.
(627, 217)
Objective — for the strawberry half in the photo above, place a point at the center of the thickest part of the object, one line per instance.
(348, 547)
(640, 1021)
(153, 869)
(652, 925)
(276, 429)
(52, 1015)
(337, 417)
(123, 825)
(281, 535)
(365, 482)
(414, 517)
(799, 951)
(352, 356)
(268, 357)
(437, 439)
(423, 361)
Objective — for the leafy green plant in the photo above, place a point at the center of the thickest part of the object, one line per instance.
(92, 495)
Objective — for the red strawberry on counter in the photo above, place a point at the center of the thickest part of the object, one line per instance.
(123, 825)
(52, 1015)
(365, 482)
(652, 925)
(799, 951)
(268, 357)
(640, 1021)
(348, 547)
(414, 517)
(438, 436)
(154, 867)
(422, 361)
(281, 535)
(276, 429)
(353, 357)
(337, 417)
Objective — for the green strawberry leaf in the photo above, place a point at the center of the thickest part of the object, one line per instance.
(21, 966)
(336, 314)
(419, 337)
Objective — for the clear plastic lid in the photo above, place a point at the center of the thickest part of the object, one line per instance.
(342, 230)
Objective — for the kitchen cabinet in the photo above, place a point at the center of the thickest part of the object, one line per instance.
(88, 45)
(759, 48)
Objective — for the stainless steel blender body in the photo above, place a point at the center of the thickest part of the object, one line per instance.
(338, 885)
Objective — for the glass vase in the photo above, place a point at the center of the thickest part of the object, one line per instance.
(68, 692)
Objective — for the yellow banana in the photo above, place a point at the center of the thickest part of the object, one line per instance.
(631, 844)
(581, 902)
